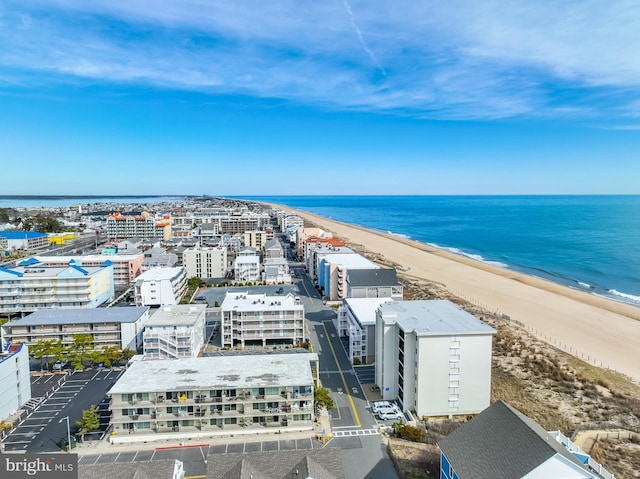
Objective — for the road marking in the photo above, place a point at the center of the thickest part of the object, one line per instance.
(344, 381)
(134, 457)
(195, 477)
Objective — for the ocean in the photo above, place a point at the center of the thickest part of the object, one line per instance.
(590, 243)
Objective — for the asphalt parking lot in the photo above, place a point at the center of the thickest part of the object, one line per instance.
(46, 425)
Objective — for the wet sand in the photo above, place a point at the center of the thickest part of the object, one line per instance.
(602, 331)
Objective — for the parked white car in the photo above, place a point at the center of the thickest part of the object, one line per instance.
(389, 413)
(377, 406)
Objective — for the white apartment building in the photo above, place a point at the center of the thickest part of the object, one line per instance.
(258, 319)
(273, 249)
(175, 332)
(29, 288)
(356, 319)
(15, 383)
(160, 286)
(246, 266)
(209, 396)
(276, 271)
(433, 357)
(120, 327)
(317, 250)
(205, 263)
(374, 283)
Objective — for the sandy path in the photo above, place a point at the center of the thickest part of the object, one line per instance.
(605, 332)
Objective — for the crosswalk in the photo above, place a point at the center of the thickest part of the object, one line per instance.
(355, 432)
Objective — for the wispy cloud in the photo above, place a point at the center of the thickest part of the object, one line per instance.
(457, 60)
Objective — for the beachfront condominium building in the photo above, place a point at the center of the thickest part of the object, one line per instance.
(374, 283)
(302, 234)
(119, 327)
(29, 288)
(213, 395)
(318, 250)
(24, 240)
(246, 266)
(15, 383)
(356, 320)
(258, 319)
(254, 239)
(160, 286)
(205, 263)
(126, 267)
(144, 226)
(333, 270)
(433, 357)
(175, 332)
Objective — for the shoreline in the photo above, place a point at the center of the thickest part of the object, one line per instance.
(603, 331)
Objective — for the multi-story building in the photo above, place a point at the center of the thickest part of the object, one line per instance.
(213, 395)
(316, 250)
(175, 332)
(254, 239)
(356, 320)
(273, 249)
(205, 263)
(159, 258)
(333, 270)
(160, 286)
(145, 226)
(24, 240)
(246, 266)
(239, 223)
(15, 383)
(258, 319)
(374, 283)
(276, 271)
(126, 267)
(119, 327)
(434, 357)
(302, 234)
(30, 288)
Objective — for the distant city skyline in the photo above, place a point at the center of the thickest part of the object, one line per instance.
(342, 97)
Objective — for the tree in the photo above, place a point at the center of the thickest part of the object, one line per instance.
(45, 349)
(90, 421)
(125, 355)
(81, 350)
(321, 399)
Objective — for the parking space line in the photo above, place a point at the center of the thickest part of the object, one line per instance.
(154, 453)
(116, 459)
(134, 457)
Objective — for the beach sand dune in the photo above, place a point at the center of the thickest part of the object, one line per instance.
(602, 331)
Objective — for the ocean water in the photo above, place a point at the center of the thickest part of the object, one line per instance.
(585, 242)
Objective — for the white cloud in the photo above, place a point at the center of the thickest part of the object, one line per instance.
(460, 59)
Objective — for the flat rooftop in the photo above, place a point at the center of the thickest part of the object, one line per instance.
(160, 274)
(437, 317)
(259, 302)
(80, 316)
(364, 309)
(351, 260)
(177, 315)
(216, 372)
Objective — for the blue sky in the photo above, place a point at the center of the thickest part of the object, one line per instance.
(332, 97)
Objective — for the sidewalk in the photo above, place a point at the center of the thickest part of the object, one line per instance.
(104, 446)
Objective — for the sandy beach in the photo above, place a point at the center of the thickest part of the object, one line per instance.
(602, 331)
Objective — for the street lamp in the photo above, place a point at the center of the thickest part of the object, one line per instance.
(68, 432)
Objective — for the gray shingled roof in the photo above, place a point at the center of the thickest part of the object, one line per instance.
(501, 443)
(373, 277)
(80, 316)
(323, 463)
(128, 470)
